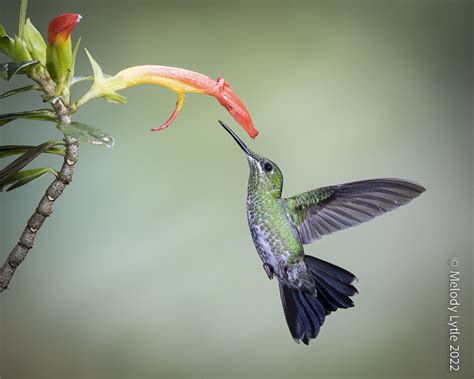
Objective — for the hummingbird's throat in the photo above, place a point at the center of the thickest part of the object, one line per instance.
(260, 183)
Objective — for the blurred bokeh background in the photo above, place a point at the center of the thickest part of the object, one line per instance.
(147, 268)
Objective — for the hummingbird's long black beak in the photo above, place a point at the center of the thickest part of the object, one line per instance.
(236, 138)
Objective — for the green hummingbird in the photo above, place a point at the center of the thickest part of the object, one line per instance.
(310, 288)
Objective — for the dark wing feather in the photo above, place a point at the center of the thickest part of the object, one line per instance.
(326, 210)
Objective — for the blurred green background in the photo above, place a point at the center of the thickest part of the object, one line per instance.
(147, 268)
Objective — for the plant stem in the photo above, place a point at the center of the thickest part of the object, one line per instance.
(21, 23)
(55, 189)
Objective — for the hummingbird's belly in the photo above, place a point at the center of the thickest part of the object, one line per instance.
(276, 241)
(270, 250)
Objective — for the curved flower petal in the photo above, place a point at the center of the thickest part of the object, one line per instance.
(179, 105)
(61, 27)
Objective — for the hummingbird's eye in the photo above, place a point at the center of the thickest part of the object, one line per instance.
(268, 167)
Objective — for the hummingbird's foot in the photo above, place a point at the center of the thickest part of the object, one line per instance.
(269, 270)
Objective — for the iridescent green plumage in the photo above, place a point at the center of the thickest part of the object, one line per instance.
(297, 205)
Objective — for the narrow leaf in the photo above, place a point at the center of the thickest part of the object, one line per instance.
(26, 158)
(9, 150)
(87, 133)
(8, 69)
(73, 62)
(5, 42)
(39, 114)
(24, 177)
(21, 23)
(18, 90)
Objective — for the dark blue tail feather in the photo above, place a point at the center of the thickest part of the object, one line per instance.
(305, 312)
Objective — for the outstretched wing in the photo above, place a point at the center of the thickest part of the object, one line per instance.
(329, 209)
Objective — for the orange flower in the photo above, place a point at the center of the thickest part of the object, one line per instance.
(180, 81)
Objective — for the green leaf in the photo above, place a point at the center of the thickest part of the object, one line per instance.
(24, 177)
(5, 42)
(7, 70)
(26, 158)
(87, 133)
(35, 42)
(6, 45)
(9, 150)
(39, 114)
(18, 90)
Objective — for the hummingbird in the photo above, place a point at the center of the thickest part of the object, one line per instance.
(311, 288)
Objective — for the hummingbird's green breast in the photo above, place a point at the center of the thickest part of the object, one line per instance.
(273, 234)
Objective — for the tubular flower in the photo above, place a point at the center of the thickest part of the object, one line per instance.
(58, 52)
(178, 80)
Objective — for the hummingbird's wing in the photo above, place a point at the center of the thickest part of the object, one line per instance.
(329, 209)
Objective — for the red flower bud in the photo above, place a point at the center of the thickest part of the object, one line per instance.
(61, 27)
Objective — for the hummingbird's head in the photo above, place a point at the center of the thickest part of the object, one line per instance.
(264, 174)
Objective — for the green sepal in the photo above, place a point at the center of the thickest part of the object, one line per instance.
(39, 114)
(73, 61)
(97, 70)
(87, 133)
(58, 62)
(8, 69)
(24, 177)
(104, 86)
(10, 150)
(19, 50)
(79, 79)
(19, 90)
(26, 158)
(115, 98)
(35, 42)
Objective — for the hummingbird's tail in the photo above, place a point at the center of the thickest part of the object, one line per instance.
(305, 312)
